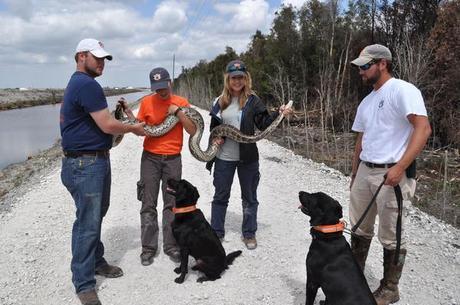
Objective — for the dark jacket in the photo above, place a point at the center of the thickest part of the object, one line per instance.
(254, 114)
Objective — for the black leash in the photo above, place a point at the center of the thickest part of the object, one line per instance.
(399, 200)
(356, 226)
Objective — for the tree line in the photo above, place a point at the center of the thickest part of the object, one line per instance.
(306, 57)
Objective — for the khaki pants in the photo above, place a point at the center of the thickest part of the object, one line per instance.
(386, 207)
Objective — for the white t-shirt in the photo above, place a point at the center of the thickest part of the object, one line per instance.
(382, 118)
(230, 150)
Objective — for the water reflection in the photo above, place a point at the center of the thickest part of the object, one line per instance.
(26, 132)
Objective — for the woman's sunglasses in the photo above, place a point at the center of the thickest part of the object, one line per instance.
(368, 65)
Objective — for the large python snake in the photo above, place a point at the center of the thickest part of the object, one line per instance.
(222, 130)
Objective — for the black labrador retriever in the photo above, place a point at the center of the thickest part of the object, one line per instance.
(195, 236)
(330, 263)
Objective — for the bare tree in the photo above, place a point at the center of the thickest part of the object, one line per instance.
(413, 60)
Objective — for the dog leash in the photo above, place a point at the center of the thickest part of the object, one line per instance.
(399, 200)
(356, 226)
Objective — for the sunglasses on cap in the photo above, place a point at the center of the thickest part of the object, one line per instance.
(368, 65)
(236, 67)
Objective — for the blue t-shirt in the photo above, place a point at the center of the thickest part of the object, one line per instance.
(79, 131)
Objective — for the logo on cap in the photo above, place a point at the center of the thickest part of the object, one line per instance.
(100, 44)
(157, 76)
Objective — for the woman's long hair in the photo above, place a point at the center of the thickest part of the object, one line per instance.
(226, 96)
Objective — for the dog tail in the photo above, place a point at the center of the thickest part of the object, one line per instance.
(232, 256)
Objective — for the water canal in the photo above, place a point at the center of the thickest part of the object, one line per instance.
(27, 131)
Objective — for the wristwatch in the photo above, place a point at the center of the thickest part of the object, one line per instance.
(177, 111)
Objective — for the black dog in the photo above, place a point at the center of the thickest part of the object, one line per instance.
(330, 263)
(195, 236)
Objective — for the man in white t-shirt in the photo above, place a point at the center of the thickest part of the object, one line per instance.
(392, 127)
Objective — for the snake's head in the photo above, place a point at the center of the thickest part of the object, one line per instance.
(119, 112)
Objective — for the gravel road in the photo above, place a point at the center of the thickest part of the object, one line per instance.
(35, 240)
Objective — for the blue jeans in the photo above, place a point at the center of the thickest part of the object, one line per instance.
(249, 176)
(88, 180)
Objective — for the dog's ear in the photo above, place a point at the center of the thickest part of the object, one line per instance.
(339, 210)
(196, 195)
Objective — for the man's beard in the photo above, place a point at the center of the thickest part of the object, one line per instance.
(92, 72)
(372, 79)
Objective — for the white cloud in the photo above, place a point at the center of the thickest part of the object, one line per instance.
(245, 16)
(251, 15)
(294, 3)
(169, 17)
(41, 35)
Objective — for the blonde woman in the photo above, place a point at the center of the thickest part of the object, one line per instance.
(238, 106)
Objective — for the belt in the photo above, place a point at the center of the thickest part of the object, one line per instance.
(374, 165)
(82, 153)
(163, 157)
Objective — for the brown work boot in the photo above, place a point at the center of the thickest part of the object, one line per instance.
(89, 297)
(388, 291)
(360, 248)
(250, 242)
(109, 271)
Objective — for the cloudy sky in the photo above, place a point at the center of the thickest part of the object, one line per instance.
(38, 37)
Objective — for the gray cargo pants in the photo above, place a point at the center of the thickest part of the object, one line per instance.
(156, 169)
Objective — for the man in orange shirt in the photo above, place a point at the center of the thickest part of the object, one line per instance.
(161, 160)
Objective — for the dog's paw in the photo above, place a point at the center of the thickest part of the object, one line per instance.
(177, 270)
(202, 279)
(179, 280)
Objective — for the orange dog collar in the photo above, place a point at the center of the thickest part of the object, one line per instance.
(184, 210)
(338, 227)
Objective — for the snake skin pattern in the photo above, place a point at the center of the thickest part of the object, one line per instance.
(222, 130)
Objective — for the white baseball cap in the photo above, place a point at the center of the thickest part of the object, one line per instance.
(94, 46)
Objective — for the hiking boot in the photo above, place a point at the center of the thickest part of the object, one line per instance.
(360, 248)
(89, 297)
(147, 258)
(388, 291)
(250, 242)
(386, 294)
(109, 271)
(174, 255)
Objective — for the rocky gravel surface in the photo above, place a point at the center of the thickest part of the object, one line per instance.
(36, 231)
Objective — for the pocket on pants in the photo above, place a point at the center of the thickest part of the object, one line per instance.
(140, 190)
